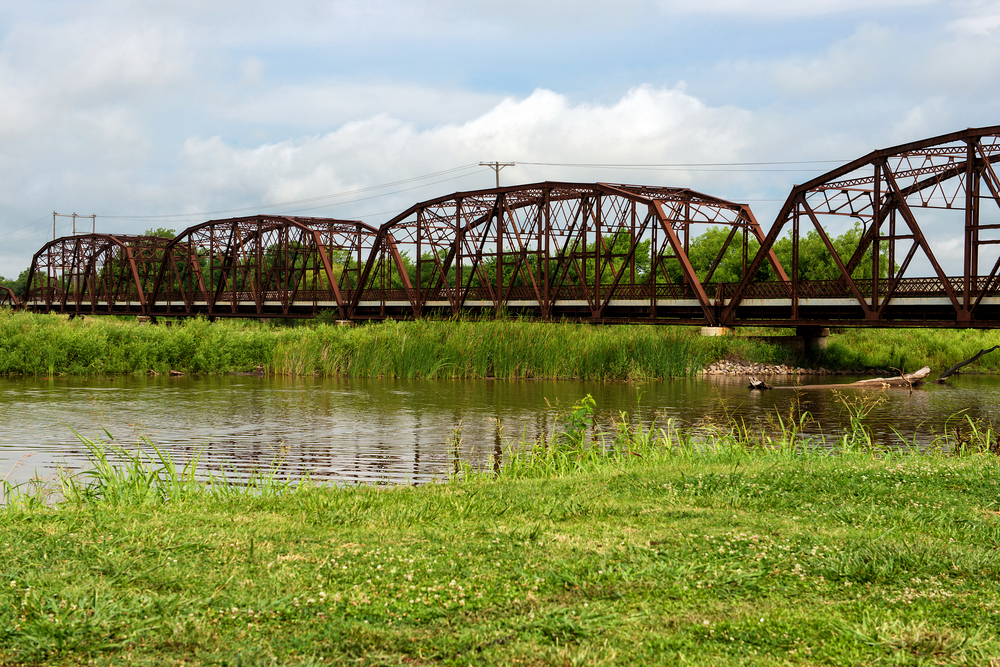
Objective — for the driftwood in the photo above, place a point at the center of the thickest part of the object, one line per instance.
(908, 380)
(758, 384)
(954, 369)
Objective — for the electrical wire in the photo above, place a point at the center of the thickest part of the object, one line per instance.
(306, 200)
(678, 165)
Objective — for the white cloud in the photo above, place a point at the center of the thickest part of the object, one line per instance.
(116, 107)
(854, 62)
(326, 102)
(785, 8)
(647, 126)
(252, 71)
(982, 18)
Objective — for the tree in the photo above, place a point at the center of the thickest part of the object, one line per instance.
(18, 284)
(816, 262)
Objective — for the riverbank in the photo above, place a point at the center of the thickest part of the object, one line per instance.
(504, 349)
(47, 345)
(651, 551)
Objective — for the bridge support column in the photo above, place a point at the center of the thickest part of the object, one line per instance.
(813, 337)
(716, 331)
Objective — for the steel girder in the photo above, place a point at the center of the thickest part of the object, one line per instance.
(589, 251)
(94, 274)
(887, 191)
(592, 251)
(262, 266)
(7, 297)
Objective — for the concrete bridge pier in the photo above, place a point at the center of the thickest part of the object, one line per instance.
(814, 338)
(716, 331)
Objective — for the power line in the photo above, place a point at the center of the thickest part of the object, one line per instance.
(496, 166)
(677, 165)
(301, 201)
(299, 210)
(30, 224)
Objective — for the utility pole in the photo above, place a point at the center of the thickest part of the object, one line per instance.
(93, 222)
(496, 166)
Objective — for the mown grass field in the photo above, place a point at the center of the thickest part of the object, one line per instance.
(509, 349)
(650, 550)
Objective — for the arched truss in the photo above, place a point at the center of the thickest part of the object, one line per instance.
(7, 297)
(263, 266)
(591, 251)
(94, 274)
(888, 191)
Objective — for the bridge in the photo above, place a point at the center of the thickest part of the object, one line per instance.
(596, 252)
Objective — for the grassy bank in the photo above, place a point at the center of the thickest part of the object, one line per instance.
(911, 349)
(509, 349)
(649, 551)
(46, 345)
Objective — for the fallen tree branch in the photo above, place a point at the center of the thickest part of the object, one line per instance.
(910, 380)
(905, 379)
(953, 369)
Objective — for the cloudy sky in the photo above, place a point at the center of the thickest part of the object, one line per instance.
(170, 113)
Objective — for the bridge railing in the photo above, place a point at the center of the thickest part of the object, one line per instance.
(907, 287)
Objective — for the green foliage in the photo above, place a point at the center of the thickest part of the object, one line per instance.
(705, 248)
(162, 232)
(815, 261)
(19, 285)
(690, 551)
(50, 344)
(579, 419)
(910, 349)
(459, 348)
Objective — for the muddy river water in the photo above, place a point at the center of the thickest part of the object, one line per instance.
(368, 430)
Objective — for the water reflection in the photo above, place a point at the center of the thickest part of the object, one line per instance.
(357, 430)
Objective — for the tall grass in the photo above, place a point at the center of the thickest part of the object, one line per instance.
(576, 444)
(503, 348)
(50, 344)
(910, 349)
(145, 474)
(462, 348)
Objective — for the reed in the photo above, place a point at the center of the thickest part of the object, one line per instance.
(910, 349)
(576, 443)
(460, 348)
(46, 345)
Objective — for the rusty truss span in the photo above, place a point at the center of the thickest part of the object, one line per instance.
(585, 251)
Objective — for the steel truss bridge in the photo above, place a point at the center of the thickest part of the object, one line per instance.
(593, 252)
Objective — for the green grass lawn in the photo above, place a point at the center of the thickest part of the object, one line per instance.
(665, 556)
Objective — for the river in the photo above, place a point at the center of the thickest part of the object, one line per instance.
(345, 430)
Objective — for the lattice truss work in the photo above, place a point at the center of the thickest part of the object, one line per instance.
(94, 273)
(887, 191)
(7, 297)
(587, 250)
(263, 266)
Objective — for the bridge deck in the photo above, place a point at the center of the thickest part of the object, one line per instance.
(914, 302)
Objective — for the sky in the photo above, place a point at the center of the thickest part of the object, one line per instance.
(166, 114)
